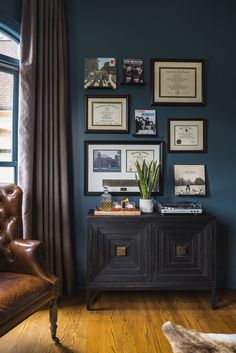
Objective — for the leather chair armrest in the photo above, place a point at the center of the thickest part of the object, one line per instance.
(25, 257)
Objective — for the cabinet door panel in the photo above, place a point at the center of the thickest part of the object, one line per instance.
(182, 253)
(119, 252)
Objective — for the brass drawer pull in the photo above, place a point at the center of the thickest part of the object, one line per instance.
(121, 251)
(181, 250)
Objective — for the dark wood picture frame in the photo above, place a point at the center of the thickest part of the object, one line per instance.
(124, 128)
(188, 149)
(199, 85)
(119, 145)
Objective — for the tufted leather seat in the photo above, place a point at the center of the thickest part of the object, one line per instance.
(25, 284)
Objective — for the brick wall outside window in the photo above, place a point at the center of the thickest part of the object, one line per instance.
(7, 47)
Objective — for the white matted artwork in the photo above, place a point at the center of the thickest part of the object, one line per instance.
(190, 179)
(112, 164)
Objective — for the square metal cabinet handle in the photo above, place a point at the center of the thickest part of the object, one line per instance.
(181, 250)
(121, 251)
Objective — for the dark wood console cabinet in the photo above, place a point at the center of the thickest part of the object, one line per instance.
(151, 252)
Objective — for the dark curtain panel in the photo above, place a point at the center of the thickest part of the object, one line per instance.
(43, 137)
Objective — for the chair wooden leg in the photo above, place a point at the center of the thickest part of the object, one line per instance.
(53, 320)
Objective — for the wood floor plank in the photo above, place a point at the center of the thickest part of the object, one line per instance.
(121, 323)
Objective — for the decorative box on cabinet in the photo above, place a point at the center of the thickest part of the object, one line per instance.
(151, 252)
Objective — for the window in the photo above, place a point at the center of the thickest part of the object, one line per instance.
(9, 82)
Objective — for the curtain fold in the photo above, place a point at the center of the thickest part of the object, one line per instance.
(43, 134)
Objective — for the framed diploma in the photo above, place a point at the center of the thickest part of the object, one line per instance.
(137, 155)
(187, 135)
(107, 114)
(112, 164)
(177, 82)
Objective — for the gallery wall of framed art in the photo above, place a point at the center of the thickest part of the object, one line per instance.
(174, 82)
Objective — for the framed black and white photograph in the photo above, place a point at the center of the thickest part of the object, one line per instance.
(107, 114)
(190, 179)
(100, 73)
(177, 82)
(133, 72)
(187, 135)
(112, 164)
(145, 123)
(106, 161)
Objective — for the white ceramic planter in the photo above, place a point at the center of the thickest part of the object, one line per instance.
(146, 206)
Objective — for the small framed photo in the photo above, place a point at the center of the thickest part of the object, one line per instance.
(187, 135)
(112, 164)
(106, 161)
(190, 179)
(107, 114)
(145, 123)
(177, 82)
(133, 72)
(100, 73)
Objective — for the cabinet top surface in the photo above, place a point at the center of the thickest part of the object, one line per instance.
(153, 215)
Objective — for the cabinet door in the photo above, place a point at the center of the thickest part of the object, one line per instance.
(182, 253)
(119, 252)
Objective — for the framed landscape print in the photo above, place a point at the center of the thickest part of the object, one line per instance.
(145, 123)
(107, 114)
(100, 73)
(112, 164)
(133, 72)
(177, 82)
(187, 135)
(190, 179)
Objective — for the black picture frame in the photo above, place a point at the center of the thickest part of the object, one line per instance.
(166, 71)
(110, 100)
(93, 183)
(197, 144)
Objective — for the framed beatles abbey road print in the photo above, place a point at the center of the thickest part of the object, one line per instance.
(100, 73)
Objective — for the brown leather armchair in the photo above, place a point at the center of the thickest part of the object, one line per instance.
(25, 284)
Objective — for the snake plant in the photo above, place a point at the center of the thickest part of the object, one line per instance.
(146, 177)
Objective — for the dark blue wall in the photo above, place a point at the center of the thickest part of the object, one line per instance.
(162, 29)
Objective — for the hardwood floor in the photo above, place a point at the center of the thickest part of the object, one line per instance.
(123, 323)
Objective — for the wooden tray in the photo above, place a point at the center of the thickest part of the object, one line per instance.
(98, 212)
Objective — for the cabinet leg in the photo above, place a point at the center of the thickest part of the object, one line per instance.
(88, 299)
(213, 298)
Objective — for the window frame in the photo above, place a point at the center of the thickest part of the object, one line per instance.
(11, 66)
